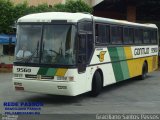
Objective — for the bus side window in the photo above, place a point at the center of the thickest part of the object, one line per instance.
(116, 35)
(138, 36)
(87, 29)
(153, 36)
(131, 35)
(146, 36)
(126, 35)
(102, 34)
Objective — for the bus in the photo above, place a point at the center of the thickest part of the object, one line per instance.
(69, 54)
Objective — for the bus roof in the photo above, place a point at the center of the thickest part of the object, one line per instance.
(123, 22)
(75, 17)
(49, 16)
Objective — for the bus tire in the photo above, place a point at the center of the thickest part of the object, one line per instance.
(144, 71)
(96, 84)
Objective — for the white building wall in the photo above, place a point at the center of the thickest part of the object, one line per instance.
(95, 2)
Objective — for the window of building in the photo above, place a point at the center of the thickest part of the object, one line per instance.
(102, 34)
(138, 36)
(8, 49)
(116, 35)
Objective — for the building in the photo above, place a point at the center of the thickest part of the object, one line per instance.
(131, 10)
(141, 11)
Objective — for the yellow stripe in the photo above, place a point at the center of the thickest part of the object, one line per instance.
(61, 72)
(135, 65)
(128, 52)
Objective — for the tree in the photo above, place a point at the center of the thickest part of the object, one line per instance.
(10, 13)
(20, 10)
(6, 15)
(73, 6)
(78, 6)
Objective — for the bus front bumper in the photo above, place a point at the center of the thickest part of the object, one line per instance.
(46, 87)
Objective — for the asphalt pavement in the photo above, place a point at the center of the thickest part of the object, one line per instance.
(131, 96)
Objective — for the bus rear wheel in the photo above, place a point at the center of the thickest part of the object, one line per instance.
(144, 71)
(96, 84)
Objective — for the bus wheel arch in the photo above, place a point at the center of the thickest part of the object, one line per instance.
(97, 83)
(146, 65)
(144, 70)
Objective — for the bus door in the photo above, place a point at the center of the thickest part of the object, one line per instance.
(81, 57)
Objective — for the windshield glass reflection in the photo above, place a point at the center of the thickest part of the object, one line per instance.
(57, 46)
(28, 43)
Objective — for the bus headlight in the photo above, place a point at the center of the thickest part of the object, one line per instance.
(71, 78)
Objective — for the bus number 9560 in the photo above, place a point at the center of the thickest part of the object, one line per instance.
(23, 70)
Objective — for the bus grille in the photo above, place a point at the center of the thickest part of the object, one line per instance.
(37, 76)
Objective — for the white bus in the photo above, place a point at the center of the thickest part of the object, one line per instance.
(73, 53)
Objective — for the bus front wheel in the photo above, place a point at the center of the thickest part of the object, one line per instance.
(144, 71)
(96, 84)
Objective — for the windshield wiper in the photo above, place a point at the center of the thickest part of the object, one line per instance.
(54, 51)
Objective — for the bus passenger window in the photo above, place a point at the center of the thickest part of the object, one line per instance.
(153, 37)
(146, 36)
(131, 35)
(128, 35)
(116, 35)
(138, 36)
(102, 34)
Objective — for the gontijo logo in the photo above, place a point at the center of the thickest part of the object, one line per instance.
(101, 56)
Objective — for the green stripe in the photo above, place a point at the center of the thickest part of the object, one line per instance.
(51, 72)
(42, 71)
(120, 69)
(113, 54)
(125, 70)
(121, 53)
(124, 65)
(117, 71)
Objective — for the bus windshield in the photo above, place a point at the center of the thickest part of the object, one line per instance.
(47, 44)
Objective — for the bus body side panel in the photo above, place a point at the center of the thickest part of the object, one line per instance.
(116, 64)
(121, 63)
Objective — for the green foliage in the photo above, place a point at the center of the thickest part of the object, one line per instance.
(73, 6)
(77, 6)
(6, 15)
(40, 8)
(59, 8)
(20, 10)
(9, 13)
